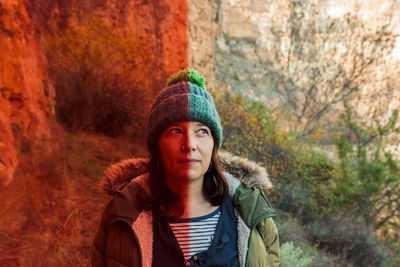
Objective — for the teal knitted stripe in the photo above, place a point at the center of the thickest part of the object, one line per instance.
(202, 109)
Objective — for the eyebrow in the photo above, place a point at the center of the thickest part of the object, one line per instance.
(180, 124)
(197, 123)
(175, 124)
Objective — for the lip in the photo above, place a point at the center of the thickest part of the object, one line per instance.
(188, 161)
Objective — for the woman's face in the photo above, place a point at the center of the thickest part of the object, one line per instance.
(186, 149)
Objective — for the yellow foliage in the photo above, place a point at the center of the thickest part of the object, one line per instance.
(250, 132)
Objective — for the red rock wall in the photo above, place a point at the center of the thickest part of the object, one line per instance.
(26, 91)
(163, 23)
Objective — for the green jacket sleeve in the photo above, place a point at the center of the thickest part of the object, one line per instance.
(270, 237)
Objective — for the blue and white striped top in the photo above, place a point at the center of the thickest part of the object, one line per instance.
(194, 235)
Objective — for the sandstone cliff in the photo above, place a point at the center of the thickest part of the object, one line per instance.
(265, 46)
(204, 27)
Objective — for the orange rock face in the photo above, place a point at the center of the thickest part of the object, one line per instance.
(24, 92)
(165, 25)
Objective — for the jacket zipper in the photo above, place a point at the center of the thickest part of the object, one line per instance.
(251, 233)
(134, 234)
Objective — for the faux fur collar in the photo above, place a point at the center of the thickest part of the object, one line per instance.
(248, 172)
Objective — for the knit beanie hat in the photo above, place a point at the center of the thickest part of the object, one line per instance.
(184, 99)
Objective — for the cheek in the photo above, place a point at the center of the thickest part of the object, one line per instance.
(209, 148)
(166, 152)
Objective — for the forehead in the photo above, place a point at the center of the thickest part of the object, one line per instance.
(186, 123)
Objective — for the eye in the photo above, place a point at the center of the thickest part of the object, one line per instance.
(203, 131)
(174, 131)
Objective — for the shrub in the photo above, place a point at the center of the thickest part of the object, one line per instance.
(370, 176)
(250, 132)
(303, 177)
(291, 229)
(312, 186)
(100, 76)
(344, 234)
(315, 174)
(292, 256)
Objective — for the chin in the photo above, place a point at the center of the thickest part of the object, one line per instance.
(196, 176)
(193, 175)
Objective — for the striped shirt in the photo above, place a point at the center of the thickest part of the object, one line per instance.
(194, 235)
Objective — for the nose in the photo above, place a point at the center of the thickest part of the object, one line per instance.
(189, 143)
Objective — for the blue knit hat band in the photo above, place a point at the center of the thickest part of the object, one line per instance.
(183, 101)
(202, 109)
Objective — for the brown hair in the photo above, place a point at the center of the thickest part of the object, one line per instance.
(165, 202)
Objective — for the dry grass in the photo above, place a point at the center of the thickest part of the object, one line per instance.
(51, 211)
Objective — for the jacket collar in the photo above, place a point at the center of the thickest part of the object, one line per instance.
(249, 173)
(128, 178)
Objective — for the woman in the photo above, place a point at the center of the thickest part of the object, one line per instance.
(188, 205)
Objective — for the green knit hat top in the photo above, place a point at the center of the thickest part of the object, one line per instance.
(184, 99)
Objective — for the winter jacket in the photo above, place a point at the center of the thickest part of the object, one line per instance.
(222, 252)
(125, 235)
